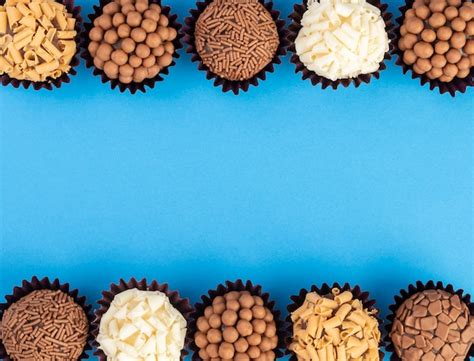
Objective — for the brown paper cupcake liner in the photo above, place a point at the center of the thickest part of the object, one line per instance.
(65, 77)
(114, 83)
(294, 29)
(45, 284)
(221, 290)
(181, 304)
(456, 85)
(325, 289)
(234, 85)
(410, 291)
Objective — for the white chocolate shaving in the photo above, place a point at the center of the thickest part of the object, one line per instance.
(142, 326)
(342, 39)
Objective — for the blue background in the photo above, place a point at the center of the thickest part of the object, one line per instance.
(287, 185)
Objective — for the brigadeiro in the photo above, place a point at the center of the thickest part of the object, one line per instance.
(333, 323)
(431, 322)
(38, 42)
(338, 42)
(236, 322)
(235, 41)
(141, 321)
(131, 43)
(436, 42)
(44, 320)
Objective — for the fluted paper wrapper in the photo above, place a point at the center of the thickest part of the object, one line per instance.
(412, 289)
(234, 85)
(322, 290)
(454, 86)
(65, 77)
(239, 285)
(294, 29)
(115, 83)
(181, 304)
(35, 284)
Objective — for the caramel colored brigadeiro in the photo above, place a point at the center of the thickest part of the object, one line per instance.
(236, 39)
(433, 325)
(132, 41)
(437, 38)
(44, 325)
(237, 326)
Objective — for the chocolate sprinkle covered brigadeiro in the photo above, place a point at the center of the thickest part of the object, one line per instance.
(436, 40)
(44, 325)
(432, 324)
(236, 39)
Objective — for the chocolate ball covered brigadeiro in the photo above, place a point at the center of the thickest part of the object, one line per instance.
(437, 38)
(335, 326)
(238, 327)
(44, 325)
(236, 39)
(433, 325)
(132, 41)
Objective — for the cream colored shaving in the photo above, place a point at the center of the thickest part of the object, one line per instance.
(142, 326)
(36, 39)
(342, 39)
(335, 327)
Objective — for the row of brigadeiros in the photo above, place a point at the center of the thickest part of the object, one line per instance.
(146, 321)
(132, 44)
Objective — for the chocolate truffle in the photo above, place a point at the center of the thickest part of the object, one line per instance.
(338, 40)
(236, 39)
(132, 40)
(44, 325)
(142, 325)
(236, 326)
(435, 39)
(433, 325)
(37, 40)
(334, 327)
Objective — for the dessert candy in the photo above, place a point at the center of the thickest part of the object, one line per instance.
(44, 325)
(341, 39)
(236, 39)
(142, 325)
(237, 326)
(334, 326)
(251, 59)
(437, 39)
(432, 324)
(37, 40)
(132, 40)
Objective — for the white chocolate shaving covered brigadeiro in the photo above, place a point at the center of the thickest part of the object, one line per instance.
(142, 326)
(342, 39)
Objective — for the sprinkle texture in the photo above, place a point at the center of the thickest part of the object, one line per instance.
(45, 325)
(236, 39)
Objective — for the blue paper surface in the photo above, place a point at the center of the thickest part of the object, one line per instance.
(286, 185)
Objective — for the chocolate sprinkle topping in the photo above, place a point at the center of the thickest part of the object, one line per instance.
(44, 325)
(236, 38)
